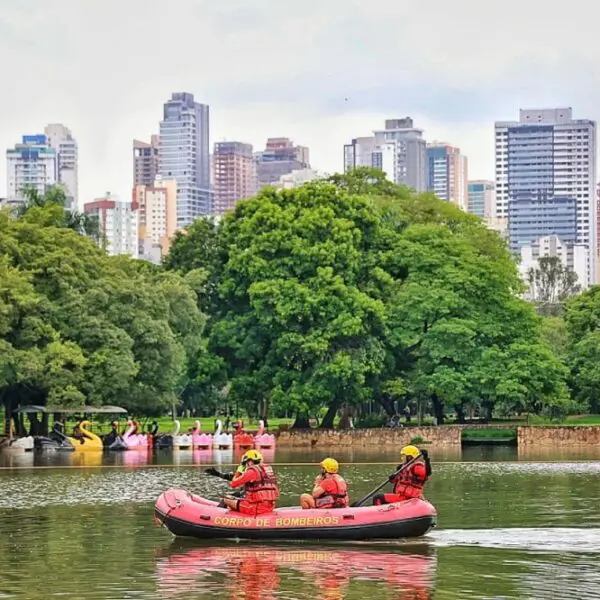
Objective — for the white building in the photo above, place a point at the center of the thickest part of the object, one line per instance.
(157, 218)
(358, 153)
(184, 155)
(118, 224)
(547, 156)
(399, 150)
(572, 256)
(299, 177)
(60, 138)
(30, 164)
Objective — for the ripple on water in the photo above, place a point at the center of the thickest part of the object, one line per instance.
(537, 539)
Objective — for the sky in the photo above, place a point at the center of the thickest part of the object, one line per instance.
(319, 72)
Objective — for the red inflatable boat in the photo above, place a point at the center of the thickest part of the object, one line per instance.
(187, 515)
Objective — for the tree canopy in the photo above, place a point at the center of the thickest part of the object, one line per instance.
(78, 326)
(356, 289)
(335, 295)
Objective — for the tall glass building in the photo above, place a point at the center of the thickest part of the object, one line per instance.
(184, 155)
(545, 164)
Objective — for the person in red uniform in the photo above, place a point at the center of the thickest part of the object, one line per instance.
(330, 491)
(258, 481)
(409, 482)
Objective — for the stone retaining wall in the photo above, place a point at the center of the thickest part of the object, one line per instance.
(558, 436)
(329, 438)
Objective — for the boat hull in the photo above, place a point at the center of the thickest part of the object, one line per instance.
(186, 515)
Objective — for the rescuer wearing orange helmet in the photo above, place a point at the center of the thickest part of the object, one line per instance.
(330, 489)
(259, 482)
(409, 481)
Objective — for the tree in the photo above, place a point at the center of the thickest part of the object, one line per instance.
(294, 325)
(582, 318)
(79, 326)
(550, 284)
(354, 289)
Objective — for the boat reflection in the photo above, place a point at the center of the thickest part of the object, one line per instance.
(263, 571)
(85, 459)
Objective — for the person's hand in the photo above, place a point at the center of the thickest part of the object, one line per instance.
(212, 471)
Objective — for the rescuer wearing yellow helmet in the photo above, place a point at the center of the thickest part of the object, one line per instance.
(259, 482)
(409, 478)
(330, 489)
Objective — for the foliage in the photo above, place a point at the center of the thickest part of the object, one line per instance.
(550, 284)
(337, 292)
(78, 326)
(582, 317)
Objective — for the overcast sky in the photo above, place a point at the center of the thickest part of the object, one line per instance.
(320, 72)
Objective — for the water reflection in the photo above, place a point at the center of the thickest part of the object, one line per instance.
(306, 572)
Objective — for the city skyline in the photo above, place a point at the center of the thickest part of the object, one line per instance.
(339, 80)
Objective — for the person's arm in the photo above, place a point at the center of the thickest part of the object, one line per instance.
(247, 477)
(318, 491)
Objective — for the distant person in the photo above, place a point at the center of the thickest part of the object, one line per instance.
(410, 481)
(330, 489)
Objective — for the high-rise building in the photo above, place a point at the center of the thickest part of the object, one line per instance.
(60, 138)
(548, 157)
(411, 157)
(31, 164)
(184, 155)
(399, 150)
(157, 218)
(482, 198)
(233, 175)
(573, 256)
(280, 157)
(118, 224)
(359, 153)
(447, 174)
(145, 161)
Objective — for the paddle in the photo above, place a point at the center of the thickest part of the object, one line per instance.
(360, 502)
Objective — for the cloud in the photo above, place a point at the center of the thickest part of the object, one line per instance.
(319, 72)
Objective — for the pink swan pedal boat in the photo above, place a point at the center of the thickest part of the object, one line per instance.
(200, 440)
(187, 515)
(263, 440)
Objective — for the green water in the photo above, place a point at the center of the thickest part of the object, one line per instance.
(83, 528)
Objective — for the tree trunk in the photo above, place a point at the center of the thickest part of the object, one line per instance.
(438, 409)
(301, 421)
(460, 414)
(388, 405)
(329, 418)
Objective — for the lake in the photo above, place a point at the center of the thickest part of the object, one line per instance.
(510, 526)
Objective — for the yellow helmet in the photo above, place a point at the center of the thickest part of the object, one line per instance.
(253, 455)
(412, 451)
(330, 465)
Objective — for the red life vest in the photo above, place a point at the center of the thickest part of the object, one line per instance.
(265, 489)
(336, 497)
(410, 481)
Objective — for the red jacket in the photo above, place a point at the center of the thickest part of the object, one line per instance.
(335, 493)
(261, 484)
(410, 481)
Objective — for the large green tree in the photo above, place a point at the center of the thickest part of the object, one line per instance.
(582, 317)
(354, 289)
(78, 326)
